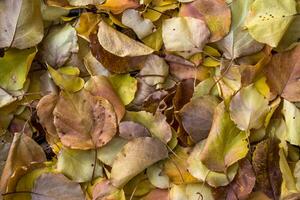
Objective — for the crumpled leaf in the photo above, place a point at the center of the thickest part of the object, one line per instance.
(275, 14)
(155, 70)
(198, 124)
(120, 44)
(136, 155)
(248, 108)
(238, 42)
(45, 109)
(21, 23)
(142, 27)
(23, 151)
(79, 165)
(215, 13)
(84, 121)
(225, 141)
(117, 7)
(125, 86)
(67, 78)
(156, 124)
(184, 34)
(157, 177)
(59, 44)
(282, 74)
(291, 116)
(50, 186)
(14, 68)
(102, 86)
(202, 173)
(266, 167)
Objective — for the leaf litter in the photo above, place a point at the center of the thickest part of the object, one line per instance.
(149, 99)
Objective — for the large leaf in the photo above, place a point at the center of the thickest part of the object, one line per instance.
(225, 141)
(282, 74)
(21, 23)
(59, 44)
(51, 186)
(156, 124)
(14, 68)
(136, 155)
(23, 151)
(120, 44)
(79, 165)
(275, 14)
(291, 116)
(184, 34)
(84, 121)
(216, 14)
(265, 163)
(248, 108)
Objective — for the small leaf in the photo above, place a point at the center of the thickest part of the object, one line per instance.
(291, 116)
(137, 155)
(117, 7)
(86, 24)
(67, 78)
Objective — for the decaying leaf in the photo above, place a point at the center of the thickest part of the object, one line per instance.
(84, 121)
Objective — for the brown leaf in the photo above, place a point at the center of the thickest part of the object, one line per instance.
(113, 62)
(216, 14)
(101, 86)
(130, 130)
(157, 194)
(265, 163)
(45, 109)
(23, 151)
(283, 73)
(241, 186)
(198, 124)
(84, 121)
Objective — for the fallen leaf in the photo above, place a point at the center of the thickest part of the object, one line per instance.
(120, 44)
(136, 155)
(216, 14)
(56, 187)
(282, 74)
(118, 7)
(84, 121)
(184, 34)
(130, 130)
(277, 15)
(225, 141)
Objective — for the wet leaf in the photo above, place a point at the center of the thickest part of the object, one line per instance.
(136, 155)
